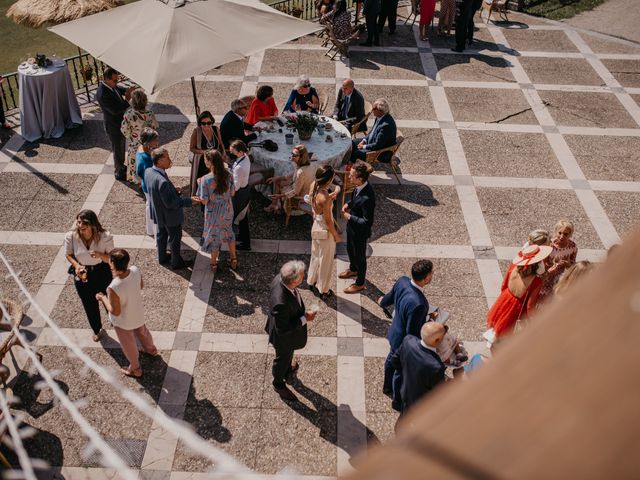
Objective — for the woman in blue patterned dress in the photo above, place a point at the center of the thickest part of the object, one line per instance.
(215, 191)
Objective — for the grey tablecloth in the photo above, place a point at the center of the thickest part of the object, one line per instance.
(48, 103)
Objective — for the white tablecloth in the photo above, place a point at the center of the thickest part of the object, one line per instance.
(48, 103)
(323, 152)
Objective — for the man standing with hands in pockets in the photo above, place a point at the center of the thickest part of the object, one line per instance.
(287, 324)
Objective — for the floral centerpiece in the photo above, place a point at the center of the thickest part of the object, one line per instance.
(303, 122)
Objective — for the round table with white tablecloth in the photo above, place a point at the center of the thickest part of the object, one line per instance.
(48, 103)
(322, 151)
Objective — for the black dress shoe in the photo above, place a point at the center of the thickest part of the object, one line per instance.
(396, 406)
(165, 260)
(366, 44)
(387, 391)
(243, 247)
(456, 49)
(286, 394)
(326, 296)
(314, 290)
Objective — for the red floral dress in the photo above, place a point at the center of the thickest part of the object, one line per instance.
(508, 308)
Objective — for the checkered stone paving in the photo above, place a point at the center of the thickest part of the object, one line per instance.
(528, 126)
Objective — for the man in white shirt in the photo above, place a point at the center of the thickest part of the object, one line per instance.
(241, 169)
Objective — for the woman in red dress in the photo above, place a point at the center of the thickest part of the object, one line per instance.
(427, 8)
(263, 108)
(520, 289)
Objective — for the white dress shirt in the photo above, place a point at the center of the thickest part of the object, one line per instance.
(359, 189)
(241, 170)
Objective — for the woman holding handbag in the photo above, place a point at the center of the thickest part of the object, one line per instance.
(520, 289)
(87, 249)
(206, 136)
(324, 234)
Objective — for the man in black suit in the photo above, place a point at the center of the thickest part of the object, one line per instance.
(389, 10)
(287, 324)
(233, 126)
(359, 215)
(419, 364)
(110, 98)
(349, 107)
(382, 135)
(465, 11)
(371, 10)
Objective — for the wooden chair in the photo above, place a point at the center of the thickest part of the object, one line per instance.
(323, 99)
(17, 315)
(415, 11)
(367, 113)
(499, 6)
(337, 46)
(372, 157)
(295, 204)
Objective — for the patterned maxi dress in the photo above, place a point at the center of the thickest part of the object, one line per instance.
(218, 214)
(132, 124)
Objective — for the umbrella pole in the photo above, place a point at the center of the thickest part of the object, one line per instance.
(86, 85)
(195, 96)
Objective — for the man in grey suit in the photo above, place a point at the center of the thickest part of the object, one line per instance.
(166, 208)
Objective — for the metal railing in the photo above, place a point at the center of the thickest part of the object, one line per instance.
(304, 9)
(85, 72)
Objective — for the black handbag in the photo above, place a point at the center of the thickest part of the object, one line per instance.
(268, 145)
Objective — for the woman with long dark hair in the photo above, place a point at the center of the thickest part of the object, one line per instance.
(87, 249)
(205, 137)
(215, 192)
(324, 234)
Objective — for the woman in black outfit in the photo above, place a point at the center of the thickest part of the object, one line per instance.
(87, 248)
(206, 136)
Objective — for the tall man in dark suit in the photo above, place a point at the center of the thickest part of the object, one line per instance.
(421, 367)
(166, 208)
(382, 134)
(359, 215)
(113, 104)
(465, 11)
(287, 324)
(371, 10)
(411, 308)
(233, 126)
(389, 10)
(349, 107)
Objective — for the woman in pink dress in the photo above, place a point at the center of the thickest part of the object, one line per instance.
(427, 8)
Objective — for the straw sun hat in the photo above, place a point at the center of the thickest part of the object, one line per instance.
(531, 254)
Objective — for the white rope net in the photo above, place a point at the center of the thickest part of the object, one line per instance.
(225, 466)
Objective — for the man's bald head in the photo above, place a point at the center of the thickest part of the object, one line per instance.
(432, 333)
(347, 86)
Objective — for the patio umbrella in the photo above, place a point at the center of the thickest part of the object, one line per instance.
(160, 43)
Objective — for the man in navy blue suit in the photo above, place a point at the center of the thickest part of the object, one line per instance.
(382, 134)
(358, 212)
(411, 308)
(421, 367)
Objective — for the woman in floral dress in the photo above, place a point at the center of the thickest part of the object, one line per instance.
(135, 119)
(215, 191)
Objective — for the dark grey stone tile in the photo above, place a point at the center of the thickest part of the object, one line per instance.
(187, 341)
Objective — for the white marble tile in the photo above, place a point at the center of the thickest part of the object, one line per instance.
(491, 278)
(473, 217)
(194, 308)
(232, 342)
